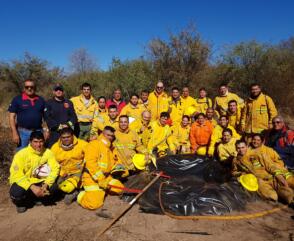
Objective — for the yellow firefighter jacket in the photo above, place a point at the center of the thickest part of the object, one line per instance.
(142, 129)
(26, 161)
(269, 153)
(99, 124)
(202, 104)
(157, 104)
(235, 119)
(181, 137)
(71, 161)
(126, 145)
(85, 112)
(257, 164)
(100, 114)
(132, 111)
(227, 150)
(216, 137)
(221, 102)
(99, 161)
(176, 109)
(187, 102)
(258, 114)
(160, 137)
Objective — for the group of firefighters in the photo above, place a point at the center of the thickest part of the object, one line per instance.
(88, 148)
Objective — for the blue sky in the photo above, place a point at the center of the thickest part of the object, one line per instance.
(53, 29)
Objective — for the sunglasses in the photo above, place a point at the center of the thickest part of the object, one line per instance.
(27, 87)
(159, 87)
(277, 122)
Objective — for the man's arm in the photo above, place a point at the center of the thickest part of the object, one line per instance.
(12, 124)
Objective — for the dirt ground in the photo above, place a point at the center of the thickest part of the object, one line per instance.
(61, 223)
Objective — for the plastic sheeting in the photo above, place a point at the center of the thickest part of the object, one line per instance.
(198, 186)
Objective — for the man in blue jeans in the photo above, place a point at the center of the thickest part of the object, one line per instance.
(25, 114)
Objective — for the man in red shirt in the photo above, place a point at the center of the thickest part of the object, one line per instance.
(116, 100)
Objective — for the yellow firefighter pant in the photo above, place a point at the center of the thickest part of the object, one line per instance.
(271, 190)
(93, 196)
(69, 185)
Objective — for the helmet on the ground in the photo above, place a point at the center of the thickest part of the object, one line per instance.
(249, 181)
(139, 161)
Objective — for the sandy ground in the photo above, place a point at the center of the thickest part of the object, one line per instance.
(61, 223)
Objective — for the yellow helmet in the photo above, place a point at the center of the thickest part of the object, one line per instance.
(249, 181)
(201, 151)
(191, 110)
(139, 161)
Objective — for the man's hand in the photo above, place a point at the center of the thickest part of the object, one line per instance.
(46, 134)
(15, 138)
(38, 191)
(281, 180)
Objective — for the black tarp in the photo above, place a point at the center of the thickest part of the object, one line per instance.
(198, 186)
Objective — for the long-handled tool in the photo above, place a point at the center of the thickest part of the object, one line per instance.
(131, 203)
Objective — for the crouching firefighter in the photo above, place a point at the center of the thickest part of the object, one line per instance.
(274, 182)
(97, 179)
(69, 152)
(33, 172)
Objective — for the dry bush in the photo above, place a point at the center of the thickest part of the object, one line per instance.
(6, 153)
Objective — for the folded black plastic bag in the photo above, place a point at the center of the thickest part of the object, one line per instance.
(197, 186)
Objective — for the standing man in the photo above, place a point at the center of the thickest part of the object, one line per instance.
(203, 102)
(221, 101)
(85, 106)
(59, 113)
(101, 110)
(133, 109)
(25, 114)
(158, 101)
(187, 100)
(258, 113)
(234, 115)
(144, 99)
(176, 106)
(116, 100)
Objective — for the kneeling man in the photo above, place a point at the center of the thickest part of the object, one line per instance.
(33, 172)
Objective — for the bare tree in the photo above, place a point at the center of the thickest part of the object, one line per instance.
(82, 62)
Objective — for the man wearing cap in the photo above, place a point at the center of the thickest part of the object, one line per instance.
(25, 114)
(59, 113)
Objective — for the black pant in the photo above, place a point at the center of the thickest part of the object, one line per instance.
(26, 198)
